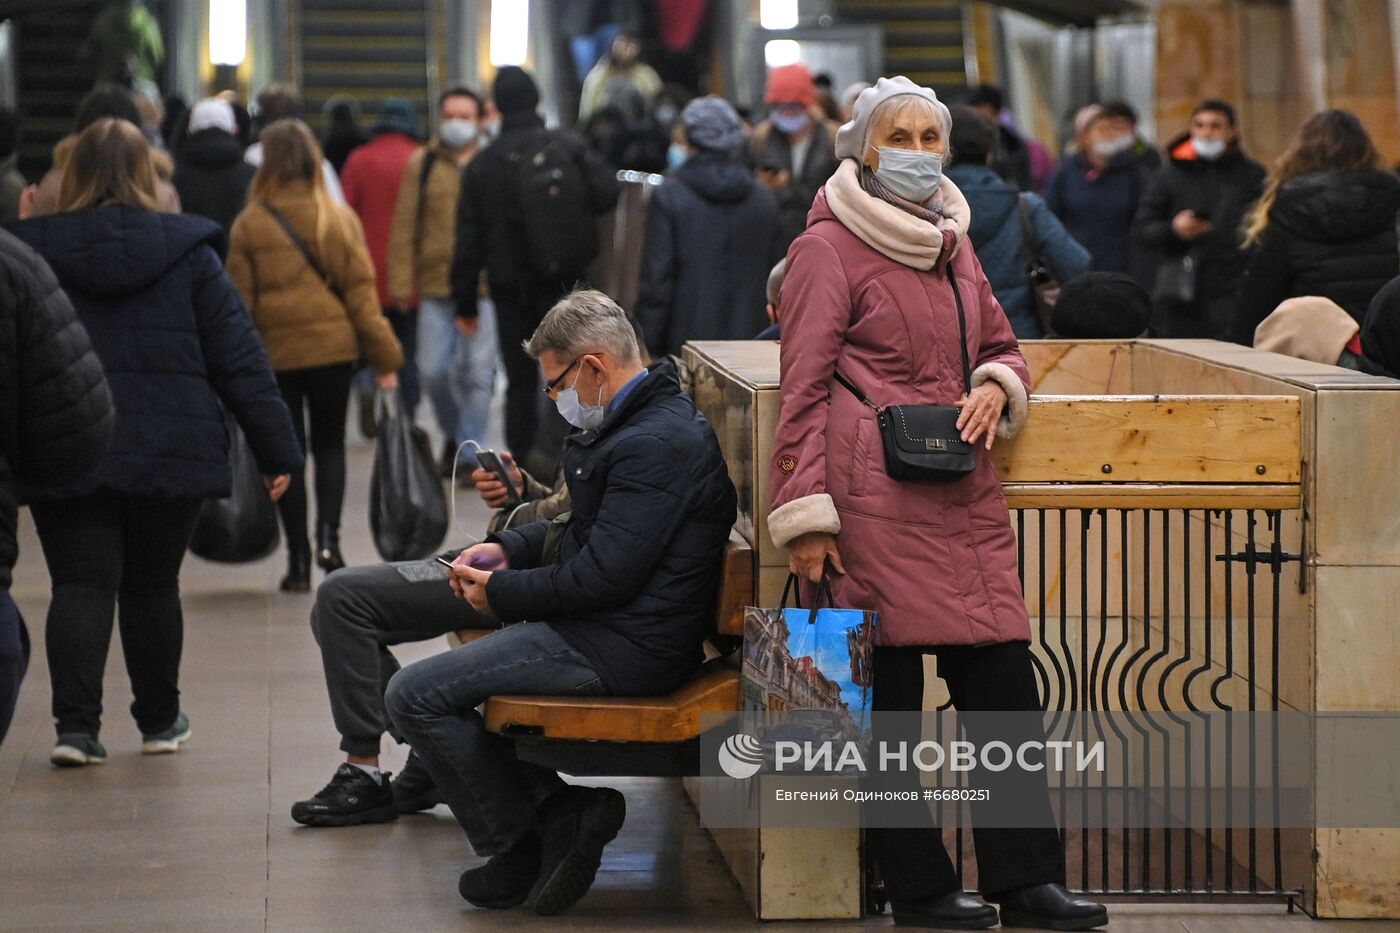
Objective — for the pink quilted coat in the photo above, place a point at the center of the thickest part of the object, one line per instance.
(937, 561)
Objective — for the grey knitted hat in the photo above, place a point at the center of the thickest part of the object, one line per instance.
(711, 123)
(850, 138)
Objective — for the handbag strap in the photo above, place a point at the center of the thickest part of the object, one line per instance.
(962, 346)
(305, 251)
(1030, 243)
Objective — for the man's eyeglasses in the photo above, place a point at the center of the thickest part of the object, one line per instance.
(551, 388)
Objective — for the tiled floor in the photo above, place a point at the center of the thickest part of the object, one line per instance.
(202, 840)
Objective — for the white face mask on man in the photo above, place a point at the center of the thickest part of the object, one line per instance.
(1108, 148)
(458, 134)
(584, 417)
(1208, 149)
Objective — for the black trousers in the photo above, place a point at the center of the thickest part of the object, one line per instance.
(14, 658)
(323, 394)
(913, 862)
(518, 312)
(109, 552)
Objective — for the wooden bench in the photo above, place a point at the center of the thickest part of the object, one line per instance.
(655, 736)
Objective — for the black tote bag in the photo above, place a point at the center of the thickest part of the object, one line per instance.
(242, 527)
(407, 506)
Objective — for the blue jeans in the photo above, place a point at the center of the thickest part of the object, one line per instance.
(493, 794)
(14, 658)
(458, 373)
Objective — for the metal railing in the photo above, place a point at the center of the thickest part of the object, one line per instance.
(1159, 610)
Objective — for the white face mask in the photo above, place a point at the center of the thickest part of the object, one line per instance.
(1208, 149)
(1109, 148)
(911, 174)
(585, 417)
(458, 134)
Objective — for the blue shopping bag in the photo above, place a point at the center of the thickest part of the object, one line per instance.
(817, 658)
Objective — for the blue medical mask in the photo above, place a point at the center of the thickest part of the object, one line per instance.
(676, 156)
(911, 174)
(791, 123)
(585, 417)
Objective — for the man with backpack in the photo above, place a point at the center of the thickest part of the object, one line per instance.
(528, 214)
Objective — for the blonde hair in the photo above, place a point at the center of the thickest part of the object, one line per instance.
(292, 157)
(891, 109)
(110, 162)
(1330, 141)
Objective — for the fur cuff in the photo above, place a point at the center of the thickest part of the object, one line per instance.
(1015, 414)
(802, 516)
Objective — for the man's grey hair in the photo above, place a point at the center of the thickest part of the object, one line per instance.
(583, 321)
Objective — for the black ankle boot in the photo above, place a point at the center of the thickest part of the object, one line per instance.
(298, 578)
(328, 548)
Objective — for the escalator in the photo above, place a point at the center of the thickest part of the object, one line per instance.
(370, 49)
(923, 38)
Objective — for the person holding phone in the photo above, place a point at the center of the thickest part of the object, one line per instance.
(616, 601)
(359, 615)
(1195, 205)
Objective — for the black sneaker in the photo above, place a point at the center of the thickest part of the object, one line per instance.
(578, 822)
(351, 798)
(414, 789)
(505, 880)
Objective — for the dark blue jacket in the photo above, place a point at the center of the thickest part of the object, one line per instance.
(1098, 212)
(712, 236)
(638, 572)
(175, 341)
(996, 234)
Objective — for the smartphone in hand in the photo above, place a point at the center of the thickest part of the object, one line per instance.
(488, 460)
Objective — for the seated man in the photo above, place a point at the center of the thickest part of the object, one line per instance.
(617, 599)
(359, 613)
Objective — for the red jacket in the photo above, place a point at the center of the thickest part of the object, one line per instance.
(371, 181)
(936, 560)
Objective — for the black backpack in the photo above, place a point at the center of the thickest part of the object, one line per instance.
(557, 216)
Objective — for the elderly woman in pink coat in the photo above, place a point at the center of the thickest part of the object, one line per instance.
(871, 290)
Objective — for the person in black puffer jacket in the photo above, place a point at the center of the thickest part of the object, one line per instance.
(211, 176)
(712, 235)
(1325, 225)
(1195, 204)
(617, 600)
(56, 420)
(178, 346)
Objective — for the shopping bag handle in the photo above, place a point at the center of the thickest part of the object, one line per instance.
(386, 401)
(795, 591)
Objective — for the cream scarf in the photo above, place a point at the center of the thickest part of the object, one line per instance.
(895, 233)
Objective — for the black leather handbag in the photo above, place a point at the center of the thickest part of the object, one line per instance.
(922, 442)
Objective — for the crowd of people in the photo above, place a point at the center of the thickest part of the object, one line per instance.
(237, 264)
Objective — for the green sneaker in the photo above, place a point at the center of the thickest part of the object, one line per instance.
(75, 749)
(164, 743)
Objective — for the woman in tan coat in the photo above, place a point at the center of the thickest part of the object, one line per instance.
(300, 260)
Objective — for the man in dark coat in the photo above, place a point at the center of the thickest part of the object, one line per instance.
(56, 420)
(1096, 190)
(1195, 206)
(794, 150)
(618, 600)
(712, 235)
(497, 230)
(211, 176)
